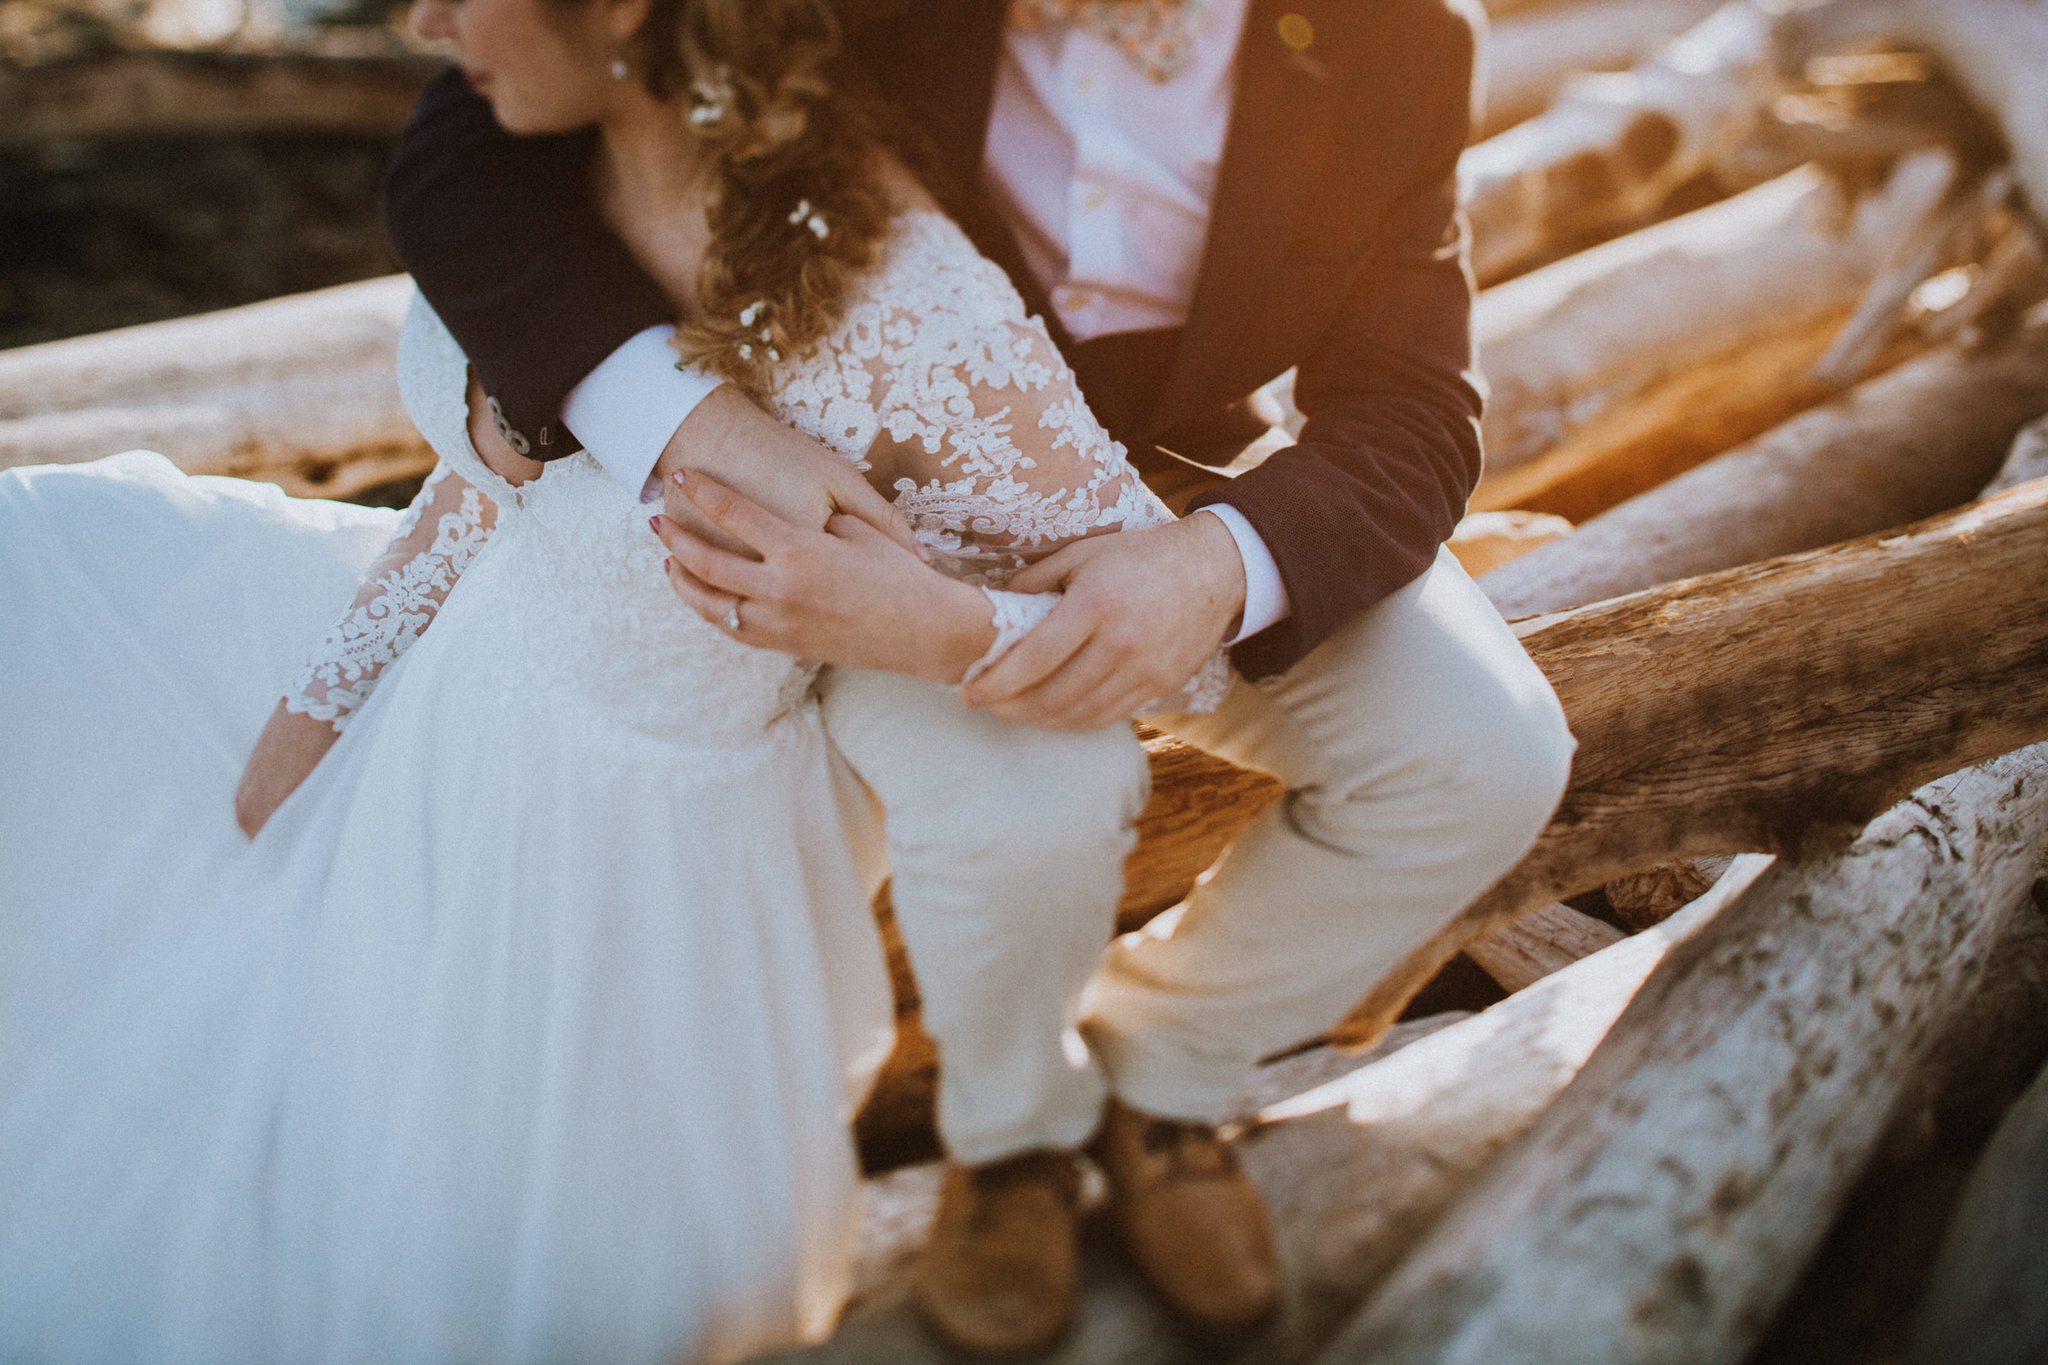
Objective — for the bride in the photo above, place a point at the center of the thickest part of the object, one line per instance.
(531, 1024)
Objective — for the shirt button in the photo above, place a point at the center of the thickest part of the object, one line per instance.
(1094, 197)
(1072, 300)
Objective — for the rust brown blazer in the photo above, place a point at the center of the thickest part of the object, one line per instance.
(1334, 245)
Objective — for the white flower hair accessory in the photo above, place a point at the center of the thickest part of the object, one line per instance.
(804, 215)
(711, 98)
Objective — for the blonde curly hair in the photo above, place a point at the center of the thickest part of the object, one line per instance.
(796, 206)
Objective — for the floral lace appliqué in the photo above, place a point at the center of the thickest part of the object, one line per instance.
(392, 610)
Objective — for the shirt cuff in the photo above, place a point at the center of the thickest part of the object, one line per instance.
(1265, 596)
(626, 409)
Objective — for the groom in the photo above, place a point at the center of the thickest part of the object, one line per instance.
(1196, 195)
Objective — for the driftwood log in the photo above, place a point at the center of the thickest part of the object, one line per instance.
(1987, 1303)
(1918, 440)
(300, 391)
(1996, 50)
(1775, 707)
(1611, 148)
(1641, 899)
(2026, 461)
(1644, 347)
(1537, 942)
(1661, 1209)
(1532, 53)
(1627, 363)
(1354, 1170)
(171, 93)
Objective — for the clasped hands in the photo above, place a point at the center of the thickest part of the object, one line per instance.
(828, 570)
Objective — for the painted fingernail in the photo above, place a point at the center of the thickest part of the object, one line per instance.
(654, 525)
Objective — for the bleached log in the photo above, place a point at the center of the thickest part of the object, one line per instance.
(1532, 53)
(1613, 147)
(1774, 707)
(1662, 1207)
(2026, 461)
(1915, 441)
(1649, 353)
(168, 93)
(1987, 1301)
(1353, 1170)
(1538, 942)
(299, 390)
(1997, 50)
(1883, 308)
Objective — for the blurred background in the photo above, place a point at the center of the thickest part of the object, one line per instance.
(164, 157)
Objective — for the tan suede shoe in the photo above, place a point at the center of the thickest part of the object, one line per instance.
(1191, 1219)
(1003, 1267)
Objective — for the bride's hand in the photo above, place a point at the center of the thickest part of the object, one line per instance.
(780, 470)
(841, 594)
(290, 747)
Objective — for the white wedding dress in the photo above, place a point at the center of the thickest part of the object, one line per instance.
(531, 1026)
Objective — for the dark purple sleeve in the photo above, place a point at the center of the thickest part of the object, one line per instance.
(503, 239)
(1390, 450)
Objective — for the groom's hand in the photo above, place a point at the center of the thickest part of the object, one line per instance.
(1143, 609)
(786, 473)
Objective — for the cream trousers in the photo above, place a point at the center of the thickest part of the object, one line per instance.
(1421, 751)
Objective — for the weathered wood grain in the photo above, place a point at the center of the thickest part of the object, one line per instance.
(1662, 1207)
(1537, 942)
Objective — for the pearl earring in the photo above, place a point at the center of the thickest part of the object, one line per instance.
(619, 69)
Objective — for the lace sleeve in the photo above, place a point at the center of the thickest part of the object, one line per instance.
(440, 533)
(997, 461)
(438, 536)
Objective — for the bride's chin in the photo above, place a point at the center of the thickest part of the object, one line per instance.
(527, 118)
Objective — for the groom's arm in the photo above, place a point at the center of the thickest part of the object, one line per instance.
(501, 235)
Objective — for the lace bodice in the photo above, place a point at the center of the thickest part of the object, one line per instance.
(935, 381)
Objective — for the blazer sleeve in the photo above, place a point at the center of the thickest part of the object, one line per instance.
(1391, 394)
(503, 238)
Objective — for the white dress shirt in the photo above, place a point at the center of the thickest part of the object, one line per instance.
(1105, 175)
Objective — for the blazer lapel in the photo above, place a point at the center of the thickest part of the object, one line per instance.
(1282, 98)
